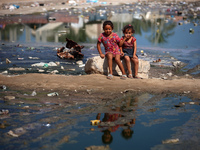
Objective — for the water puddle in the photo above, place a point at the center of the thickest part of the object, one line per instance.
(144, 121)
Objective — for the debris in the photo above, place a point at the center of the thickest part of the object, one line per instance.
(33, 93)
(53, 94)
(3, 87)
(95, 122)
(33, 57)
(16, 69)
(8, 61)
(191, 31)
(42, 64)
(62, 67)
(54, 72)
(9, 97)
(180, 23)
(93, 147)
(170, 141)
(12, 134)
(4, 112)
(158, 60)
(72, 50)
(195, 24)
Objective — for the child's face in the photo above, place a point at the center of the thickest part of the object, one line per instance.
(107, 30)
(128, 33)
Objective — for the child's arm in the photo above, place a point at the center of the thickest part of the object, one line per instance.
(122, 42)
(121, 51)
(99, 50)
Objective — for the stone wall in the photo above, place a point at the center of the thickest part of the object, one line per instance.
(100, 66)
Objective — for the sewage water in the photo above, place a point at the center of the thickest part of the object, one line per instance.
(132, 122)
(27, 37)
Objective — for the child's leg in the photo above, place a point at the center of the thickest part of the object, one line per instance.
(136, 64)
(128, 64)
(119, 63)
(110, 59)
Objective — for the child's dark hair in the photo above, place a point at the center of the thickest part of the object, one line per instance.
(129, 27)
(108, 22)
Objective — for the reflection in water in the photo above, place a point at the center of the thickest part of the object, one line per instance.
(80, 28)
(111, 122)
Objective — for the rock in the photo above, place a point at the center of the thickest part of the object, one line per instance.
(97, 65)
(9, 97)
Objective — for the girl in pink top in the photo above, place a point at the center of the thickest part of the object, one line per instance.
(110, 41)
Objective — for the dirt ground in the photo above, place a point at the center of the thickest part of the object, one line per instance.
(96, 85)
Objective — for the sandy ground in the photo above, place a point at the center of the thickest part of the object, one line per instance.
(97, 85)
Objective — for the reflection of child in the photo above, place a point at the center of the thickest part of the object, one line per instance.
(107, 137)
(129, 46)
(110, 41)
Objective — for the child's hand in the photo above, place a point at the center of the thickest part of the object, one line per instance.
(102, 56)
(135, 57)
(122, 53)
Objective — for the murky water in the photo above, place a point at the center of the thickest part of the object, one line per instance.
(159, 36)
(141, 122)
(132, 122)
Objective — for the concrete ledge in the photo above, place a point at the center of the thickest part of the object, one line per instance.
(97, 65)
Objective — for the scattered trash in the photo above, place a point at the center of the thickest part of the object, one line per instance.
(40, 70)
(95, 122)
(47, 125)
(54, 72)
(8, 61)
(4, 112)
(158, 60)
(53, 94)
(16, 69)
(46, 65)
(72, 50)
(20, 58)
(9, 97)
(31, 48)
(12, 134)
(170, 141)
(33, 57)
(62, 67)
(83, 65)
(42, 64)
(33, 93)
(195, 24)
(93, 147)
(80, 62)
(3, 87)
(180, 23)
(25, 107)
(191, 31)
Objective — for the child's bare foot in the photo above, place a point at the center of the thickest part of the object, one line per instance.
(130, 76)
(137, 77)
(123, 77)
(110, 76)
